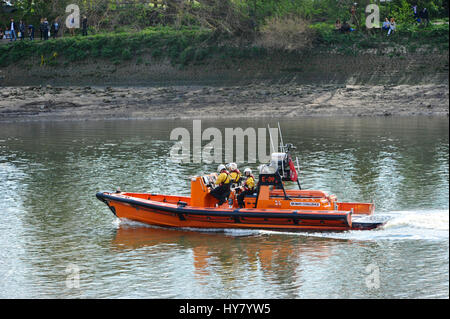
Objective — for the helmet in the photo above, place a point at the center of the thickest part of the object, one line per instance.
(221, 167)
(247, 170)
(233, 166)
(228, 166)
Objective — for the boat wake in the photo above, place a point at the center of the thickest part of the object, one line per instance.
(401, 225)
(436, 220)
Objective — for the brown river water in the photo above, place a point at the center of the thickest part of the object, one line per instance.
(58, 241)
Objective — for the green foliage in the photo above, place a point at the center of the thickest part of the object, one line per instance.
(402, 12)
(261, 9)
(161, 42)
(197, 30)
(409, 35)
(187, 55)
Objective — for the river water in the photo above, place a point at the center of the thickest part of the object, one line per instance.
(58, 241)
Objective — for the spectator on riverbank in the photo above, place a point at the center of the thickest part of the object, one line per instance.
(338, 25)
(72, 26)
(386, 24)
(55, 29)
(2, 33)
(31, 31)
(353, 17)
(46, 29)
(7, 34)
(41, 29)
(85, 25)
(416, 12)
(392, 26)
(424, 17)
(13, 29)
(346, 28)
(22, 29)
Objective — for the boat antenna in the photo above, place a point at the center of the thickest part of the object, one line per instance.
(298, 171)
(281, 137)
(271, 141)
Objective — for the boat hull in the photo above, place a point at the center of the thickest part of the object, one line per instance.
(177, 213)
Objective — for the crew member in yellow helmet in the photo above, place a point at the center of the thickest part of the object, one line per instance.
(248, 188)
(223, 182)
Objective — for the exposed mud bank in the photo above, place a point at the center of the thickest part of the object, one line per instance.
(255, 100)
(306, 68)
(292, 85)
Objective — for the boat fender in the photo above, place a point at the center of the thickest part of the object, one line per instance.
(295, 220)
(181, 204)
(236, 217)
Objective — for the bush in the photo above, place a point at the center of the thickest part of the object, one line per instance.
(402, 13)
(187, 55)
(126, 54)
(289, 33)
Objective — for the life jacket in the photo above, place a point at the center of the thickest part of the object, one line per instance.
(226, 181)
(235, 176)
(246, 187)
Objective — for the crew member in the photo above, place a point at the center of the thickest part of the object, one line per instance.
(223, 182)
(235, 174)
(248, 188)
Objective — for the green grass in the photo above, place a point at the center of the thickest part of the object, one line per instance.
(411, 36)
(181, 46)
(114, 46)
(186, 46)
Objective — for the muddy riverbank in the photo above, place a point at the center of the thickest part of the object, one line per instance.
(254, 100)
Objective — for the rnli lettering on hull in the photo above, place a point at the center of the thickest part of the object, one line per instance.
(308, 204)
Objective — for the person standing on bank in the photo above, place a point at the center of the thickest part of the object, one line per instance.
(46, 29)
(13, 29)
(31, 31)
(55, 29)
(85, 25)
(72, 26)
(22, 30)
(41, 29)
(424, 17)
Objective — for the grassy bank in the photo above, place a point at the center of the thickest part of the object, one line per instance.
(113, 47)
(196, 45)
(179, 46)
(411, 37)
(160, 55)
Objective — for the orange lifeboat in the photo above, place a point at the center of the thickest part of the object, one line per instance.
(271, 207)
